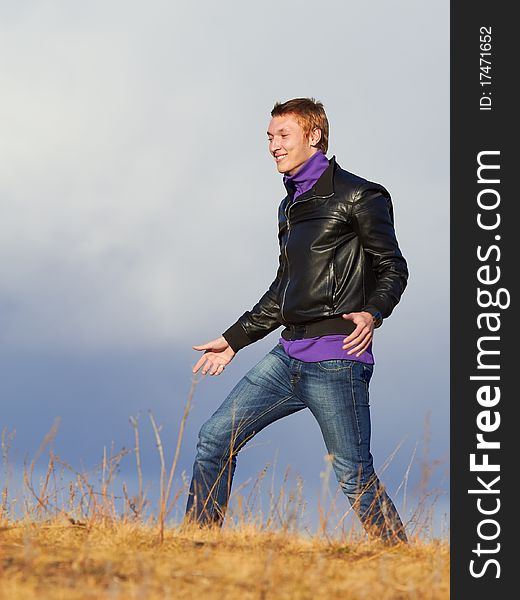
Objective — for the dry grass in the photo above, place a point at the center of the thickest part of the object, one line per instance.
(122, 560)
(65, 538)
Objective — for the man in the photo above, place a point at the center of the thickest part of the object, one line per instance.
(340, 274)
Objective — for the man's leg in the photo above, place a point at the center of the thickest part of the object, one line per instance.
(336, 391)
(264, 395)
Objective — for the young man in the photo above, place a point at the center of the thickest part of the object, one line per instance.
(340, 274)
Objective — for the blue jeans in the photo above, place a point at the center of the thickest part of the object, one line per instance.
(336, 392)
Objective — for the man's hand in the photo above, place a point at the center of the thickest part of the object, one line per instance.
(361, 337)
(217, 354)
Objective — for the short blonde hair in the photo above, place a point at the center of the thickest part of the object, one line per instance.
(310, 115)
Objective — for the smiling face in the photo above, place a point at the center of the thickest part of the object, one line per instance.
(288, 144)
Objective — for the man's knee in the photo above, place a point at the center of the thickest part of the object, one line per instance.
(208, 440)
(215, 440)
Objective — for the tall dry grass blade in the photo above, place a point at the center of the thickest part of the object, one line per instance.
(187, 409)
(42, 495)
(7, 440)
(254, 493)
(325, 493)
(137, 451)
(103, 479)
(270, 519)
(162, 480)
(404, 482)
(28, 473)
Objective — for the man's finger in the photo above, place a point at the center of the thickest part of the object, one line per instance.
(217, 370)
(353, 345)
(199, 363)
(357, 342)
(202, 346)
(213, 369)
(356, 336)
(209, 358)
(352, 342)
(352, 336)
(360, 348)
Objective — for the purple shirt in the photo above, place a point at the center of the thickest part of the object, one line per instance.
(325, 347)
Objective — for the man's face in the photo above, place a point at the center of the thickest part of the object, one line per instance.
(288, 144)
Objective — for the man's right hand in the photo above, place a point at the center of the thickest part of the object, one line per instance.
(217, 354)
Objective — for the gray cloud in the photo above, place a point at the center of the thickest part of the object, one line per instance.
(133, 140)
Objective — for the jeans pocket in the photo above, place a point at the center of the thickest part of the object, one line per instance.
(367, 371)
(335, 364)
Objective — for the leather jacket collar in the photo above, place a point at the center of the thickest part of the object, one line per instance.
(324, 186)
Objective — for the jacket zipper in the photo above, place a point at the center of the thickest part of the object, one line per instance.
(332, 277)
(286, 211)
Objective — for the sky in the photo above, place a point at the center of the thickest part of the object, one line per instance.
(134, 144)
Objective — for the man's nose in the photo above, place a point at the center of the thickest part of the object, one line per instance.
(274, 145)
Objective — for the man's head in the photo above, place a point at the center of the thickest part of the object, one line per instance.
(298, 129)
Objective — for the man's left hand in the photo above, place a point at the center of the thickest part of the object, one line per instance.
(359, 340)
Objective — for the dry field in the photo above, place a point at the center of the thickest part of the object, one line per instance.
(59, 560)
(68, 537)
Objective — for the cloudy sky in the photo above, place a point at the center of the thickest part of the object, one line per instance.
(132, 147)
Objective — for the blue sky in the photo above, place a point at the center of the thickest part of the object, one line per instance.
(133, 142)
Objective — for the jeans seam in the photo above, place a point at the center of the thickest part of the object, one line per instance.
(347, 367)
(360, 461)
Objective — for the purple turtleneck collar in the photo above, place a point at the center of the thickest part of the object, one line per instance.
(307, 174)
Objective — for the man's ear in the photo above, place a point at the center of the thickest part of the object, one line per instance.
(315, 136)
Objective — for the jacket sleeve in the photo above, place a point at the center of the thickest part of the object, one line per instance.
(373, 221)
(258, 322)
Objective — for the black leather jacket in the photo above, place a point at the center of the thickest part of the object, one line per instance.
(338, 254)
